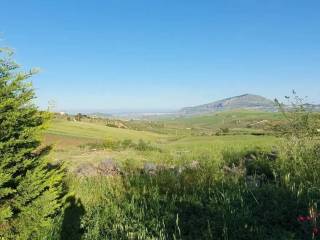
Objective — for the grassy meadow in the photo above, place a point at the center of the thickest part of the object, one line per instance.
(201, 177)
(78, 142)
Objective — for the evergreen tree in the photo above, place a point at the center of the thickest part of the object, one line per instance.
(30, 187)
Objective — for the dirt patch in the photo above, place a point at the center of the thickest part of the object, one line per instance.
(65, 142)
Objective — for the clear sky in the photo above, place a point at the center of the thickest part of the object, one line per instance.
(164, 54)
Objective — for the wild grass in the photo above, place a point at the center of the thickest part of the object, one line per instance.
(242, 187)
(202, 203)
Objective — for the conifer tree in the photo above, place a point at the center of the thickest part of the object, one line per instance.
(30, 187)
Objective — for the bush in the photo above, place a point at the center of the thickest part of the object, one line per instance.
(127, 143)
(112, 144)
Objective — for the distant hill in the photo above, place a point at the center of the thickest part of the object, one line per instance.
(245, 101)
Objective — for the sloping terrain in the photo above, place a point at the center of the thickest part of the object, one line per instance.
(246, 101)
(236, 120)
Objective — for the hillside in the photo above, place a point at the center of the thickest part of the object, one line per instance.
(246, 101)
(97, 131)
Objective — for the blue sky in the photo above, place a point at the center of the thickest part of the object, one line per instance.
(164, 54)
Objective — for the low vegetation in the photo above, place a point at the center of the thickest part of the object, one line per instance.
(202, 187)
(231, 175)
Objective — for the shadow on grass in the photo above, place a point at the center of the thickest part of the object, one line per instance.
(71, 224)
(207, 202)
(195, 206)
(239, 200)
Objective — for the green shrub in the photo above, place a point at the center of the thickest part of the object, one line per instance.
(127, 143)
(112, 144)
(145, 146)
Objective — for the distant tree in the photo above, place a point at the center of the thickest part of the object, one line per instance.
(30, 188)
(78, 117)
(223, 131)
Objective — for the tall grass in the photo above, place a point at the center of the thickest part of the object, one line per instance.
(238, 192)
(203, 203)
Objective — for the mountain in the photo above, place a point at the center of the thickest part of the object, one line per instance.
(246, 101)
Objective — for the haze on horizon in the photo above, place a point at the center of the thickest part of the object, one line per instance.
(135, 55)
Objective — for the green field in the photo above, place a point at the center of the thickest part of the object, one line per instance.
(237, 121)
(70, 138)
(205, 182)
(95, 131)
